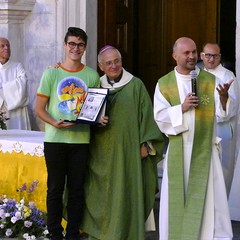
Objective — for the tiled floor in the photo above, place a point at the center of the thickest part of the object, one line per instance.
(154, 235)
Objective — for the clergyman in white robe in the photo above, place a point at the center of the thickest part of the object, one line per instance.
(227, 130)
(14, 95)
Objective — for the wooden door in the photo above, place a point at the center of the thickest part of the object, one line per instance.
(116, 27)
(161, 23)
(145, 31)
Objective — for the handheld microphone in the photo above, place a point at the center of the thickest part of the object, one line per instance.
(193, 75)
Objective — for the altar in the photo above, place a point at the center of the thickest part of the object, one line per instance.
(22, 161)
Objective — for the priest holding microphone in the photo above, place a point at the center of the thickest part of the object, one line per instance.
(193, 196)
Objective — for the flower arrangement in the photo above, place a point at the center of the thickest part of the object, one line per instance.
(3, 120)
(22, 219)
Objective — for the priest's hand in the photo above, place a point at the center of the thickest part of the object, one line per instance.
(190, 101)
(103, 121)
(223, 93)
(144, 150)
(55, 65)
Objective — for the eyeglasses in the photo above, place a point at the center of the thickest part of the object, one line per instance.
(114, 62)
(72, 45)
(209, 55)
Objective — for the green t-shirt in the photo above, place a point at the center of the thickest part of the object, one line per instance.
(66, 91)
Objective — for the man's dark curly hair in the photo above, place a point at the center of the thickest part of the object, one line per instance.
(76, 32)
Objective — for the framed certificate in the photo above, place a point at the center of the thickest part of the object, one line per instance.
(94, 106)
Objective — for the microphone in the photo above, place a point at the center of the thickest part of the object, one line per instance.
(193, 75)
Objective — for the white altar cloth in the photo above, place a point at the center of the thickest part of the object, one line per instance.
(28, 142)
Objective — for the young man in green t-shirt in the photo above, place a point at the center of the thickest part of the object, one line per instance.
(60, 95)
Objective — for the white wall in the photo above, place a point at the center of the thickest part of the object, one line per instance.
(36, 29)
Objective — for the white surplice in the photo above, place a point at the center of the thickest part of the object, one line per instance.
(227, 130)
(234, 196)
(14, 95)
(216, 222)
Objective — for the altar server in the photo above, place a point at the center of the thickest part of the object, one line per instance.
(13, 89)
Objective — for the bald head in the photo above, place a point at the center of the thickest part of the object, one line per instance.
(182, 41)
(185, 55)
(212, 45)
(5, 50)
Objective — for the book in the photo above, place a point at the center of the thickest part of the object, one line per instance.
(94, 106)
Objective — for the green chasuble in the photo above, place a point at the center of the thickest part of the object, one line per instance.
(186, 212)
(121, 187)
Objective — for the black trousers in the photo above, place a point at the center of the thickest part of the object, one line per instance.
(66, 163)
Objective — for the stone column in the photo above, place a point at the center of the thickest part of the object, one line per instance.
(12, 16)
(83, 14)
